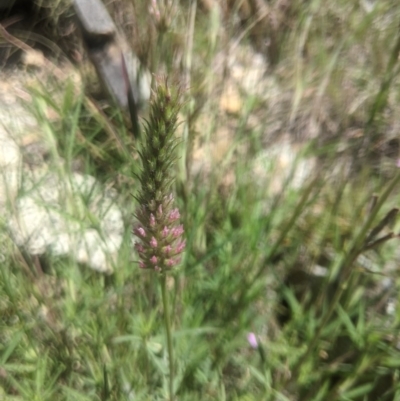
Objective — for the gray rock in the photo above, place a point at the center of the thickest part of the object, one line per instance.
(107, 48)
(94, 18)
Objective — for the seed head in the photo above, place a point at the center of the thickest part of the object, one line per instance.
(160, 236)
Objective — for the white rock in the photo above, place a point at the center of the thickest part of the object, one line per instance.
(93, 251)
(10, 167)
(281, 164)
(57, 216)
(36, 224)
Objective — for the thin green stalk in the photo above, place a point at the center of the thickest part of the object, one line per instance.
(167, 322)
(390, 73)
(286, 229)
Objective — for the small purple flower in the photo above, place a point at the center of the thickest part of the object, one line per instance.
(153, 242)
(170, 262)
(180, 246)
(139, 231)
(177, 231)
(152, 220)
(153, 259)
(139, 247)
(252, 339)
(167, 249)
(165, 232)
(174, 215)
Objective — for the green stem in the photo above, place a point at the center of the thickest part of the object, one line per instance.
(167, 322)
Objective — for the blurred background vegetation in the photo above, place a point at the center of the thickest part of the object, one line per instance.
(288, 168)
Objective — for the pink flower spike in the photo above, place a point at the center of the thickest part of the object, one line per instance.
(165, 232)
(154, 10)
(139, 247)
(152, 220)
(177, 231)
(167, 249)
(174, 215)
(180, 246)
(139, 231)
(170, 262)
(153, 242)
(153, 259)
(252, 339)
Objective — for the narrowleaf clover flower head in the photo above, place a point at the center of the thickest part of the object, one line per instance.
(160, 235)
